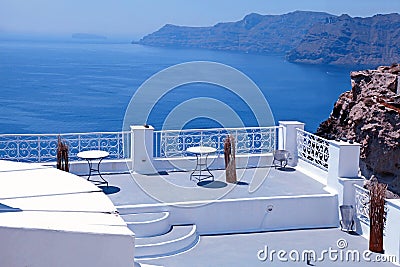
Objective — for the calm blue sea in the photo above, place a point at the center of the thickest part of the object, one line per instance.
(54, 87)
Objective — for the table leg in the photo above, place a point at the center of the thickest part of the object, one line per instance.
(195, 169)
(98, 170)
(201, 167)
(207, 169)
(91, 169)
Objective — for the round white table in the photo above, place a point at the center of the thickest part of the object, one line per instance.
(90, 156)
(201, 172)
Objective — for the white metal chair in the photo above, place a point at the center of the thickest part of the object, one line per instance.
(282, 156)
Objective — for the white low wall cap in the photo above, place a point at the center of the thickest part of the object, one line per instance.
(291, 122)
(343, 143)
(394, 202)
(141, 127)
(78, 222)
(351, 179)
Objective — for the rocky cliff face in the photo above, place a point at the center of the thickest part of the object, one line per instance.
(254, 33)
(370, 115)
(347, 40)
(305, 37)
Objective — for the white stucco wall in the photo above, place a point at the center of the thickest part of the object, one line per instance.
(251, 214)
(52, 218)
(391, 240)
(22, 247)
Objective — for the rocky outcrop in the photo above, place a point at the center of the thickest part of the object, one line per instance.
(349, 41)
(370, 115)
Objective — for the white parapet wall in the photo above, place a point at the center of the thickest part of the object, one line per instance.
(250, 214)
(267, 214)
(48, 248)
(53, 218)
(313, 171)
(391, 232)
(391, 238)
(343, 170)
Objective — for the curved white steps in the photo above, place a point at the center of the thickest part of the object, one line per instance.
(137, 264)
(147, 224)
(179, 239)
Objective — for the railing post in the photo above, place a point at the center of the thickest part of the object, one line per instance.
(99, 141)
(236, 141)
(119, 139)
(142, 149)
(163, 144)
(288, 139)
(18, 148)
(343, 166)
(79, 143)
(39, 149)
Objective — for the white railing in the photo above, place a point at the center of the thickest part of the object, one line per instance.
(313, 149)
(251, 140)
(43, 147)
(362, 198)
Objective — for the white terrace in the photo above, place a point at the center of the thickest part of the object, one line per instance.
(152, 213)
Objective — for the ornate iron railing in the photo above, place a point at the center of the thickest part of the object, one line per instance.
(313, 149)
(252, 140)
(362, 203)
(43, 147)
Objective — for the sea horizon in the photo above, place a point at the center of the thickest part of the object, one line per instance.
(85, 86)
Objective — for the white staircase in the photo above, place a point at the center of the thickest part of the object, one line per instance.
(147, 224)
(155, 237)
(179, 239)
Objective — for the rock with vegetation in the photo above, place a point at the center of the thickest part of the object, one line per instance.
(370, 114)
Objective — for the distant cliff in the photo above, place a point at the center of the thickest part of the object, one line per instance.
(254, 33)
(346, 40)
(370, 115)
(306, 37)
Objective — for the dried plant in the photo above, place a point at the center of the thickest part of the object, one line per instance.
(377, 215)
(62, 156)
(230, 161)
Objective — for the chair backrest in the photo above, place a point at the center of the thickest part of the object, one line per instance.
(347, 213)
(281, 155)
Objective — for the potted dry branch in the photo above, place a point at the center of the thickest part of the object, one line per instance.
(230, 161)
(377, 217)
(62, 156)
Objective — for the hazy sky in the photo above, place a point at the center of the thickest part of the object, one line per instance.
(135, 18)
